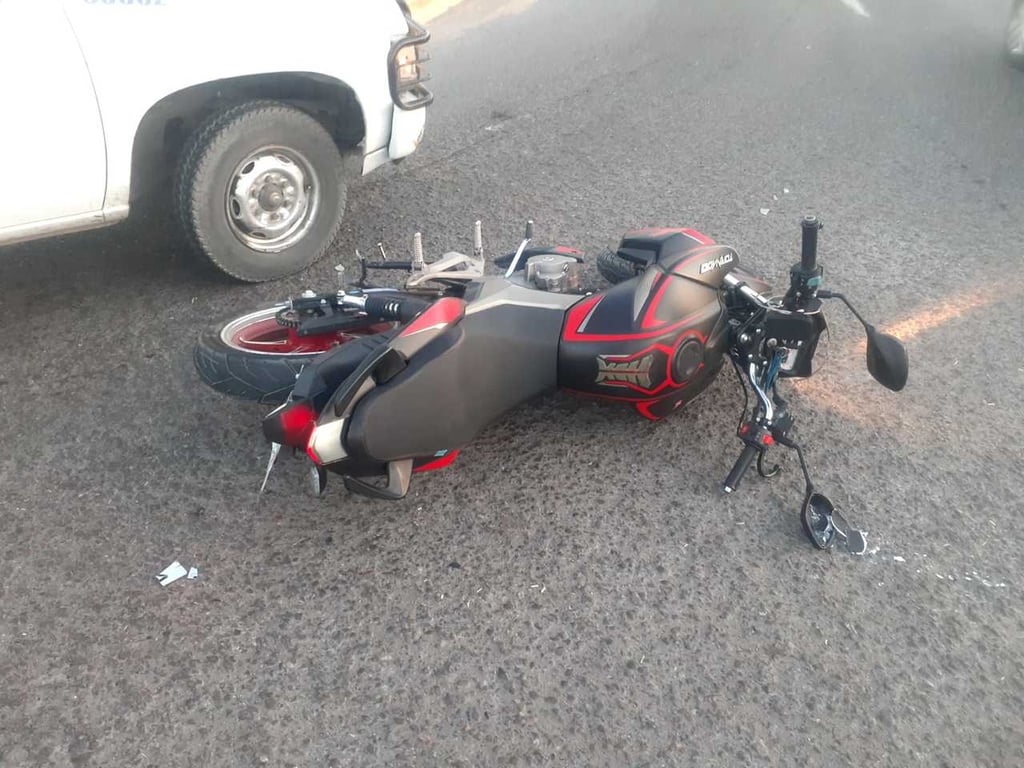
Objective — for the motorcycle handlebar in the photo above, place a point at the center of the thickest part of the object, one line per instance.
(403, 309)
(749, 293)
(388, 306)
(809, 243)
(739, 469)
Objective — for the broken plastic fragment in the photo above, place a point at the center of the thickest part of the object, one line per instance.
(171, 573)
(764, 211)
(856, 542)
(898, 559)
(193, 573)
(275, 449)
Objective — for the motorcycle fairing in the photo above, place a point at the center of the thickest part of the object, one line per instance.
(505, 351)
(656, 340)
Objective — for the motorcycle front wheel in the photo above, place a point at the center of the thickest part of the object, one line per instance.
(254, 357)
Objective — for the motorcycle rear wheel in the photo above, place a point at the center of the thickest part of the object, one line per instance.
(253, 357)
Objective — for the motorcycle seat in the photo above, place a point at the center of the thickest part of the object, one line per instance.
(656, 245)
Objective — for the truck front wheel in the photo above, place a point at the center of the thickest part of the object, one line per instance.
(261, 190)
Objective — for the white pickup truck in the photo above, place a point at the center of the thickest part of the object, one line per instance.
(261, 111)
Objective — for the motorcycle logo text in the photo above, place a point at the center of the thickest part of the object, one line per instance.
(721, 261)
(614, 370)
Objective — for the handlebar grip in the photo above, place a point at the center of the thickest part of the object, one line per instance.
(402, 309)
(809, 243)
(739, 469)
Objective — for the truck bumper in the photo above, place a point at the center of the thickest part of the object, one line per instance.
(407, 127)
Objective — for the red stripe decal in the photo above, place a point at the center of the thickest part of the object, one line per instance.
(572, 333)
(440, 463)
(578, 316)
(650, 321)
(443, 311)
(645, 410)
(700, 237)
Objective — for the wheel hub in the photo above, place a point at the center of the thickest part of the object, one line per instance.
(272, 199)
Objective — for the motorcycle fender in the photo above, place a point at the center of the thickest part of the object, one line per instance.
(327, 441)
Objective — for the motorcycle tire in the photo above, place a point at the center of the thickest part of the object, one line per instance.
(228, 357)
(616, 269)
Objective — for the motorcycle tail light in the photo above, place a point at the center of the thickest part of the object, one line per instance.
(291, 425)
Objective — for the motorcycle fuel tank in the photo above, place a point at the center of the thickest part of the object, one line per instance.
(658, 339)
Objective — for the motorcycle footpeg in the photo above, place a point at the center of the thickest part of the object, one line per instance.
(399, 475)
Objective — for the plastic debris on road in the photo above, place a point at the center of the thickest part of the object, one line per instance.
(193, 573)
(171, 573)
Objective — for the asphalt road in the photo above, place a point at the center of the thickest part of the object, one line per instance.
(574, 591)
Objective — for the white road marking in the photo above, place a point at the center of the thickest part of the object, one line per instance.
(857, 7)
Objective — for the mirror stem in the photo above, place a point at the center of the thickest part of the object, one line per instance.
(835, 295)
(789, 443)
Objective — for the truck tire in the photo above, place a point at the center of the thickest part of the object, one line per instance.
(260, 190)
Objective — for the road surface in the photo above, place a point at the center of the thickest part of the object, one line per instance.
(574, 590)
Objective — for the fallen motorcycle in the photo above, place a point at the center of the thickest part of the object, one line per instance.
(381, 383)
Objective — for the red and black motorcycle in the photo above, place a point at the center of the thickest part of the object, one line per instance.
(383, 383)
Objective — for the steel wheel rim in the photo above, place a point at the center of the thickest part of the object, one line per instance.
(272, 199)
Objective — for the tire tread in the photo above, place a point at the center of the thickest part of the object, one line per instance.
(265, 379)
(189, 187)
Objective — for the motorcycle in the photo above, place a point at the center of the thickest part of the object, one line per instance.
(377, 384)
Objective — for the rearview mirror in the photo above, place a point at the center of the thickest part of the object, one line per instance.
(887, 359)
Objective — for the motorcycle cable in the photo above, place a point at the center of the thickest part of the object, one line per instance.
(746, 395)
(771, 379)
(765, 473)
